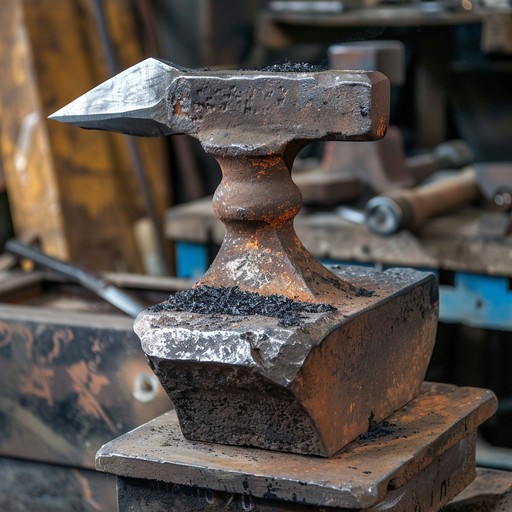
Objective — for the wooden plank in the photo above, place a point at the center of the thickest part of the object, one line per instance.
(72, 189)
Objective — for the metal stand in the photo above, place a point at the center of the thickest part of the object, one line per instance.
(417, 460)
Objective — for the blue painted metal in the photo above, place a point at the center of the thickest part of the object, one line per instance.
(191, 260)
(477, 301)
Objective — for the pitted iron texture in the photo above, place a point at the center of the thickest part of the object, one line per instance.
(310, 388)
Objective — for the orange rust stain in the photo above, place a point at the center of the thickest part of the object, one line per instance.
(97, 346)
(5, 334)
(86, 490)
(39, 384)
(252, 245)
(63, 336)
(382, 127)
(177, 110)
(29, 342)
(267, 162)
(88, 384)
(60, 336)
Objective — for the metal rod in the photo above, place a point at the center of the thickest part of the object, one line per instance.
(99, 286)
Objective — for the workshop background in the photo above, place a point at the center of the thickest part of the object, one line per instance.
(138, 211)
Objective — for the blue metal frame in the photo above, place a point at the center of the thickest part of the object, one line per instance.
(191, 260)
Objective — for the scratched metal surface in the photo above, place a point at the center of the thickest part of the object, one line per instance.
(71, 380)
(360, 476)
(426, 491)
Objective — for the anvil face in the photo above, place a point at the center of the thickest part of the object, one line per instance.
(310, 388)
(236, 112)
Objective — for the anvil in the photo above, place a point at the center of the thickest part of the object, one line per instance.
(239, 370)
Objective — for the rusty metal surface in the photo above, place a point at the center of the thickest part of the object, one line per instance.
(261, 111)
(292, 388)
(362, 475)
(71, 370)
(254, 123)
(425, 491)
(307, 388)
(491, 491)
(28, 486)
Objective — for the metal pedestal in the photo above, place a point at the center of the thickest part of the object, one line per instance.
(417, 460)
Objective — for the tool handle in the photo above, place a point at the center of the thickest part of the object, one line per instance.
(409, 209)
(438, 197)
(110, 293)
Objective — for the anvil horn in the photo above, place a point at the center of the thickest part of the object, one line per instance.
(137, 94)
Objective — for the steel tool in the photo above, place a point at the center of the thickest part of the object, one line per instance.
(270, 348)
(411, 208)
(107, 291)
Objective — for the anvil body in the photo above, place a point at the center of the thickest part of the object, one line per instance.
(311, 388)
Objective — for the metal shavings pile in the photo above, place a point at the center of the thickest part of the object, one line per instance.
(233, 301)
(376, 430)
(294, 67)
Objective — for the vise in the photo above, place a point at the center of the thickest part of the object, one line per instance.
(270, 349)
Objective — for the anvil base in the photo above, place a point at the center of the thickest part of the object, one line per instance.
(309, 388)
(423, 459)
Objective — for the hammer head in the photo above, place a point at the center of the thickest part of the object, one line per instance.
(236, 112)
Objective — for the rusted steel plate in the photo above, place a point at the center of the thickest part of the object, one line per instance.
(307, 388)
(425, 492)
(363, 474)
(71, 370)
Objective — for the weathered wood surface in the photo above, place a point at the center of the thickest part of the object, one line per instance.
(469, 240)
(71, 189)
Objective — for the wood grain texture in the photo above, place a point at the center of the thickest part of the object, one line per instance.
(72, 189)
